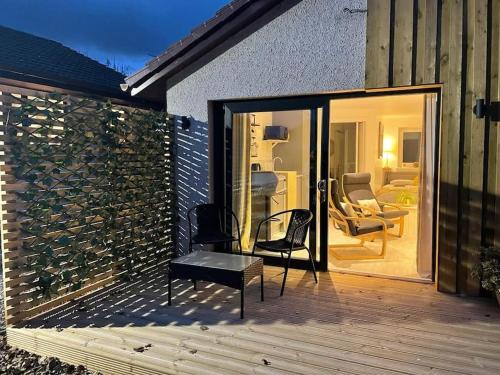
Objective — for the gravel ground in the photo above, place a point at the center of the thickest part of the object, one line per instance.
(20, 362)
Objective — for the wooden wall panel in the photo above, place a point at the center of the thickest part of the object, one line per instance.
(451, 49)
(377, 42)
(493, 202)
(403, 42)
(426, 42)
(474, 131)
(451, 73)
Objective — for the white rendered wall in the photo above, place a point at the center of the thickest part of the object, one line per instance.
(313, 47)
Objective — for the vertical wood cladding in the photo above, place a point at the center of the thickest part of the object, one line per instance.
(455, 43)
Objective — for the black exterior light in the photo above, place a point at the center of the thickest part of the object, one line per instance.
(492, 110)
(185, 122)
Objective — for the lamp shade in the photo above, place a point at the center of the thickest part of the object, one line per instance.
(388, 144)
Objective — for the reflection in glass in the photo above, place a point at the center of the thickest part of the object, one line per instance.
(270, 171)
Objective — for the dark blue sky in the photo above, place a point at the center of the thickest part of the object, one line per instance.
(127, 32)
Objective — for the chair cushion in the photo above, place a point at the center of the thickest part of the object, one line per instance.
(369, 226)
(277, 245)
(363, 178)
(215, 237)
(392, 214)
(357, 186)
(370, 204)
(401, 182)
(348, 209)
(334, 187)
(357, 195)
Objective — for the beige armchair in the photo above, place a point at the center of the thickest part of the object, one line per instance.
(357, 187)
(362, 228)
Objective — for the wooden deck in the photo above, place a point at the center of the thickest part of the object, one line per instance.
(344, 325)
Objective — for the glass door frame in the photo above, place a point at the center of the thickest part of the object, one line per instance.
(220, 121)
(222, 181)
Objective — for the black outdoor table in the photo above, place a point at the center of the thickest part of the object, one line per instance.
(234, 271)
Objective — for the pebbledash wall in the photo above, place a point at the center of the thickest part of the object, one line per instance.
(315, 46)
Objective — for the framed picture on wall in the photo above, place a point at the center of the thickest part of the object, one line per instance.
(380, 140)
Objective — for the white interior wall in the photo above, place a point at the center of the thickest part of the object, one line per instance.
(294, 154)
(392, 126)
(264, 149)
(394, 112)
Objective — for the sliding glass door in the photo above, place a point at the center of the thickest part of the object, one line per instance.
(272, 165)
(382, 159)
(272, 155)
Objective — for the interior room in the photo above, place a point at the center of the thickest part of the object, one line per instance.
(381, 160)
(381, 155)
(271, 172)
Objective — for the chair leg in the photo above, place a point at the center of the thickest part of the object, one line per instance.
(253, 248)
(287, 265)
(401, 226)
(312, 263)
(384, 244)
(169, 288)
(241, 247)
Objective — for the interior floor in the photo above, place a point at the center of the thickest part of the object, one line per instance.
(378, 145)
(400, 260)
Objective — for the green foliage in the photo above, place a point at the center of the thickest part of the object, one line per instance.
(98, 193)
(488, 270)
(406, 197)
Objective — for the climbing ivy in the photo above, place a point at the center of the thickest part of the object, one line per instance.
(94, 188)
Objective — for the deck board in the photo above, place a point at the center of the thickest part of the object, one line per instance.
(344, 325)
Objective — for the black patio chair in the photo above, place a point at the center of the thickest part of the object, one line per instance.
(294, 239)
(209, 229)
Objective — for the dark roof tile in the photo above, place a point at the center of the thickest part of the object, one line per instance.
(27, 54)
(198, 33)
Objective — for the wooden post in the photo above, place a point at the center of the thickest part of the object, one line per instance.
(451, 71)
(377, 43)
(426, 42)
(473, 144)
(403, 42)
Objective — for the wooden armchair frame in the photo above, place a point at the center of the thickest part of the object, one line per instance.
(342, 221)
(400, 221)
(357, 186)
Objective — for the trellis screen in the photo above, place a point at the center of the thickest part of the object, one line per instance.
(87, 194)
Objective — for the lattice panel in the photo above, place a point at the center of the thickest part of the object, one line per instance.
(87, 194)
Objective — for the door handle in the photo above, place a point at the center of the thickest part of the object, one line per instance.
(322, 189)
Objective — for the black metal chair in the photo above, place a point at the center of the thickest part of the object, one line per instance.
(209, 229)
(294, 239)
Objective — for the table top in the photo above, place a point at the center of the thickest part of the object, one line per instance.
(223, 261)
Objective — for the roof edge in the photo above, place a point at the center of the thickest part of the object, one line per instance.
(187, 42)
(37, 83)
(229, 21)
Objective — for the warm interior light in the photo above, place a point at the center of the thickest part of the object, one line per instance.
(388, 144)
(387, 153)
